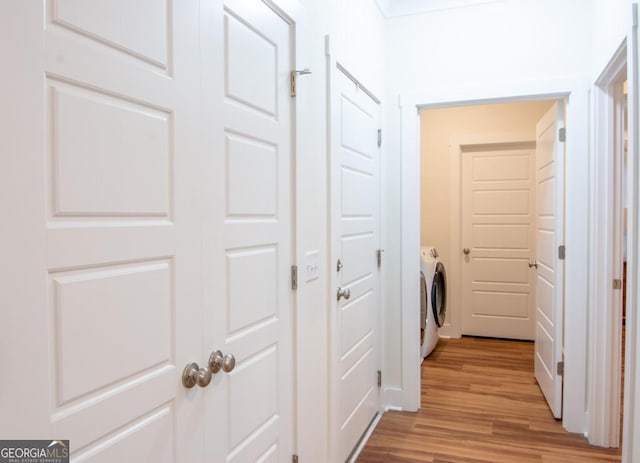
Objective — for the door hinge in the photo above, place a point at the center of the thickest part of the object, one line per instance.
(379, 378)
(379, 257)
(617, 284)
(293, 77)
(379, 138)
(560, 369)
(294, 458)
(562, 134)
(561, 252)
(294, 277)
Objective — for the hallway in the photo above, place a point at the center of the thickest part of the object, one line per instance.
(480, 404)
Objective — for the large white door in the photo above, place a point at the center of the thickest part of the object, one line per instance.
(355, 190)
(498, 242)
(101, 270)
(550, 268)
(248, 284)
(147, 201)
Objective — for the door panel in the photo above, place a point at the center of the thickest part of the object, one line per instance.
(550, 271)
(498, 205)
(110, 156)
(355, 190)
(248, 278)
(139, 29)
(124, 299)
(112, 252)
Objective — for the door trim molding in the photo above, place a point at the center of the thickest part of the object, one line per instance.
(606, 259)
(460, 144)
(631, 428)
(576, 89)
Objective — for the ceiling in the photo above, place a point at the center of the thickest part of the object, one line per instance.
(393, 8)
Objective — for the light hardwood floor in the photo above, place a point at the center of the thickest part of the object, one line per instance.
(480, 404)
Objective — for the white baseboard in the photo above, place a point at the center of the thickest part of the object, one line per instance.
(393, 398)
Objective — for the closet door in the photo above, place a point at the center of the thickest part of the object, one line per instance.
(248, 299)
(101, 272)
(355, 212)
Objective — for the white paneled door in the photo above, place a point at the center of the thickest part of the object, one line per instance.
(142, 234)
(498, 242)
(355, 210)
(550, 270)
(251, 288)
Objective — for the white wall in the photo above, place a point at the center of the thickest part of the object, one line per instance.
(357, 37)
(611, 21)
(503, 41)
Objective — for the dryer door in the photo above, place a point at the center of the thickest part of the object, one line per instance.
(423, 307)
(439, 294)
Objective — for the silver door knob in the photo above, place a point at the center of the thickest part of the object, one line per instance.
(346, 293)
(466, 251)
(193, 374)
(218, 362)
(533, 263)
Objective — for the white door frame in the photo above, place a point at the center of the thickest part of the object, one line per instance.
(606, 259)
(631, 429)
(452, 327)
(576, 90)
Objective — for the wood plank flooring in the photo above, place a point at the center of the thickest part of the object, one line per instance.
(480, 404)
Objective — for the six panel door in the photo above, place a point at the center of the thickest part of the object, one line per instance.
(354, 397)
(109, 303)
(248, 286)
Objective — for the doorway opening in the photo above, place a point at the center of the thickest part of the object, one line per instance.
(494, 211)
(575, 92)
(498, 142)
(610, 261)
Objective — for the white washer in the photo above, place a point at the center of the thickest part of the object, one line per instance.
(433, 298)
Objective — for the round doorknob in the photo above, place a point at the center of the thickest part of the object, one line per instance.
(466, 251)
(193, 374)
(218, 362)
(346, 293)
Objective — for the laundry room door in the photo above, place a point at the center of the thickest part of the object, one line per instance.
(247, 284)
(498, 241)
(101, 270)
(550, 268)
(355, 209)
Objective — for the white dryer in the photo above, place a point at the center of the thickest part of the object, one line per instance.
(433, 298)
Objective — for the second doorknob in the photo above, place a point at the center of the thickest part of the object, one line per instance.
(218, 362)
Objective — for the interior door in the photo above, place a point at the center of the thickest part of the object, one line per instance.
(498, 238)
(248, 286)
(102, 282)
(550, 269)
(355, 207)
